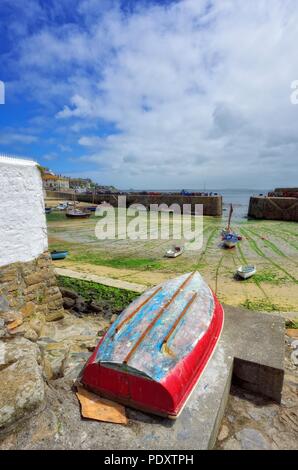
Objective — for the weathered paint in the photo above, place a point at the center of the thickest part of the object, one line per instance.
(150, 358)
(23, 232)
(133, 365)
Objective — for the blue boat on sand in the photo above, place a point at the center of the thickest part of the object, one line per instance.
(230, 240)
(58, 254)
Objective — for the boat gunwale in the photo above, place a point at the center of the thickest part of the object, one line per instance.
(218, 319)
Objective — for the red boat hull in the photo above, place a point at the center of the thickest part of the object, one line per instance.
(166, 397)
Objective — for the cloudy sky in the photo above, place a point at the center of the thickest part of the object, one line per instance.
(153, 94)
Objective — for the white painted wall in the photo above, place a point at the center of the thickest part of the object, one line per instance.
(23, 231)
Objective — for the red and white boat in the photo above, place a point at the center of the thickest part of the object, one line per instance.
(154, 354)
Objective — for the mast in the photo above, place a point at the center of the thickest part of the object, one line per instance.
(230, 216)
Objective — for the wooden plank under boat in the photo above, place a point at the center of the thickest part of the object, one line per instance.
(153, 355)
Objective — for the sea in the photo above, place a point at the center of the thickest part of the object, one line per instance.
(238, 197)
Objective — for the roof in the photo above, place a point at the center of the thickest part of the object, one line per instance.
(48, 176)
(13, 160)
(160, 327)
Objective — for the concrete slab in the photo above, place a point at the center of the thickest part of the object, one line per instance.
(106, 281)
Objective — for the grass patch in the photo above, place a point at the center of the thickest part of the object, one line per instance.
(260, 305)
(292, 324)
(117, 298)
(124, 263)
(55, 216)
(267, 276)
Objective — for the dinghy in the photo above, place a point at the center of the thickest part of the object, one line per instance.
(230, 240)
(58, 254)
(229, 236)
(154, 354)
(77, 214)
(174, 252)
(246, 271)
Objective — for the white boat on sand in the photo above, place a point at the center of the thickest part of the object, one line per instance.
(246, 271)
(174, 252)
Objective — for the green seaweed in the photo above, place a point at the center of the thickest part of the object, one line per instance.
(118, 298)
(124, 263)
(292, 324)
(260, 305)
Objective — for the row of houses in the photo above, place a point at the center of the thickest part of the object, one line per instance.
(52, 182)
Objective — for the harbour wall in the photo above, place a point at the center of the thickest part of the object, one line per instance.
(212, 205)
(273, 208)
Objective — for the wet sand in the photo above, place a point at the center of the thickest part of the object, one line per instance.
(271, 245)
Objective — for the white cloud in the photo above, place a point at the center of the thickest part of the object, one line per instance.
(197, 91)
(7, 138)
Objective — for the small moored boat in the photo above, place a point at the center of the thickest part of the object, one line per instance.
(77, 214)
(154, 354)
(58, 254)
(230, 240)
(246, 271)
(174, 252)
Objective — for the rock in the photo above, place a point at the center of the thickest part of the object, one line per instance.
(80, 305)
(34, 278)
(4, 305)
(95, 307)
(232, 444)
(73, 364)
(55, 315)
(37, 323)
(28, 309)
(68, 293)
(223, 433)
(31, 334)
(11, 316)
(17, 348)
(294, 357)
(68, 302)
(12, 326)
(21, 391)
(53, 360)
(251, 439)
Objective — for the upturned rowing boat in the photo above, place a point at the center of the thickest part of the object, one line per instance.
(153, 355)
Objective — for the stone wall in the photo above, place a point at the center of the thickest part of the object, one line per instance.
(31, 288)
(23, 230)
(273, 208)
(212, 205)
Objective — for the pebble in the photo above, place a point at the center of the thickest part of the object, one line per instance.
(251, 439)
(232, 444)
(294, 357)
(223, 433)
